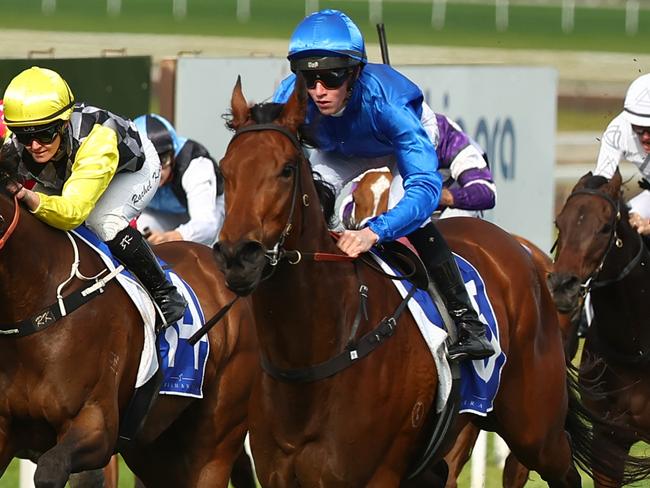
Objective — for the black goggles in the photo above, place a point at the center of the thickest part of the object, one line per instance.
(639, 130)
(43, 134)
(330, 78)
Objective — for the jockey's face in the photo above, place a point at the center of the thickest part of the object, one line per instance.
(166, 167)
(41, 152)
(329, 100)
(644, 136)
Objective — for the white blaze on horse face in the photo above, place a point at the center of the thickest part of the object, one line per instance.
(378, 188)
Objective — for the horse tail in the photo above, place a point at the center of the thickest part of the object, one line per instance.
(607, 459)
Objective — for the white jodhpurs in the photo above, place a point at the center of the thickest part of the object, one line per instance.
(127, 195)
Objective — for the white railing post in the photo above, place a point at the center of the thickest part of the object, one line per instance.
(48, 7)
(568, 15)
(479, 460)
(375, 13)
(438, 13)
(311, 6)
(179, 8)
(26, 476)
(243, 10)
(501, 15)
(501, 450)
(631, 17)
(113, 7)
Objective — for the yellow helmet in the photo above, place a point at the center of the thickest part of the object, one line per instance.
(37, 96)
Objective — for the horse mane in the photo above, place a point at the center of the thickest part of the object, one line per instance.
(268, 112)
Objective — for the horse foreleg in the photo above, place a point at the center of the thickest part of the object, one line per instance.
(99, 478)
(515, 474)
(6, 452)
(86, 444)
(242, 475)
(88, 479)
(460, 453)
(112, 473)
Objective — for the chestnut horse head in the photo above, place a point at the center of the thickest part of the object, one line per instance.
(271, 183)
(588, 228)
(68, 382)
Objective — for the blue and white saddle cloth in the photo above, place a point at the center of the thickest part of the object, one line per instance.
(183, 365)
(479, 379)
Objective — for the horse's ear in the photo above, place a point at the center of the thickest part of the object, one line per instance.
(581, 182)
(614, 184)
(238, 106)
(293, 113)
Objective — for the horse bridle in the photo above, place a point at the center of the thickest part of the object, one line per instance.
(591, 282)
(277, 252)
(6, 234)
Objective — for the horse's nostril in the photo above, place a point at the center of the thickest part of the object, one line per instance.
(251, 252)
(571, 281)
(562, 281)
(216, 249)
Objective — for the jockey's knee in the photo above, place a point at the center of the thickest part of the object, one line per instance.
(107, 226)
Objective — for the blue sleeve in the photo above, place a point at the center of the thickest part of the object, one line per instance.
(417, 163)
(285, 89)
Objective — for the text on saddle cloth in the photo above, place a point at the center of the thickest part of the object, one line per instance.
(479, 379)
(183, 365)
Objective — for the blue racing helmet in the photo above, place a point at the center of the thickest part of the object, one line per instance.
(159, 131)
(326, 40)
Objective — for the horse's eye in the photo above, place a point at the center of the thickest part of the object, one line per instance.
(287, 171)
(606, 229)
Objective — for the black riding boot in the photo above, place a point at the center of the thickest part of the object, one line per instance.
(133, 250)
(472, 342)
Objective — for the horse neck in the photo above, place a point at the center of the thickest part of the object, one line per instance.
(31, 256)
(620, 309)
(307, 308)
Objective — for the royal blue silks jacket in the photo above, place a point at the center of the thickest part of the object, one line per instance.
(382, 117)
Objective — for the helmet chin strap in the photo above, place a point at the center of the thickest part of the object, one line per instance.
(65, 148)
(353, 80)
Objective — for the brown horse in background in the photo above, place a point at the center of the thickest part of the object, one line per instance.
(599, 252)
(318, 425)
(66, 387)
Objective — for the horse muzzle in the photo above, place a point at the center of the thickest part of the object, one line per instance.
(242, 264)
(566, 291)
